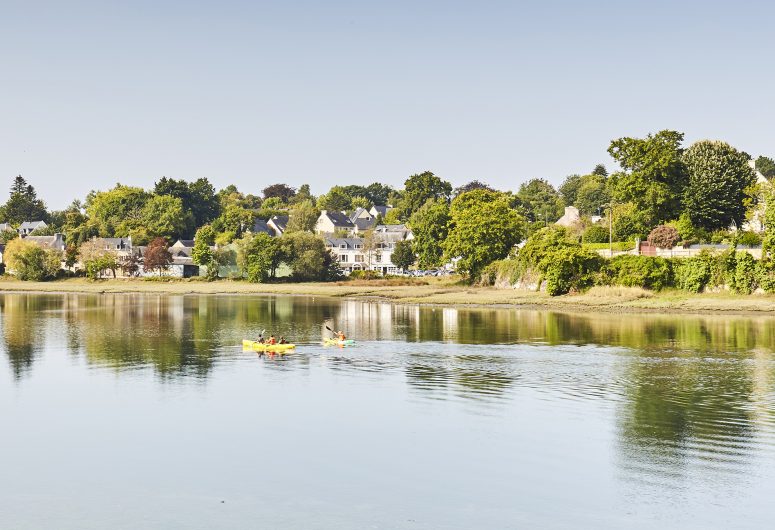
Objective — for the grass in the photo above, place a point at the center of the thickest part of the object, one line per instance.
(436, 291)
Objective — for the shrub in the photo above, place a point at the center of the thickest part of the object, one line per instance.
(365, 275)
(749, 239)
(765, 275)
(595, 234)
(637, 271)
(745, 273)
(501, 270)
(691, 274)
(571, 269)
(664, 236)
(31, 262)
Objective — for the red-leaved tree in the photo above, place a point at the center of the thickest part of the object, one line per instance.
(157, 256)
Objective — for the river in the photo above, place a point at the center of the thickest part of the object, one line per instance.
(138, 411)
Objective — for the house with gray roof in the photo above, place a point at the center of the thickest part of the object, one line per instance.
(378, 210)
(332, 222)
(55, 242)
(362, 219)
(28, 227)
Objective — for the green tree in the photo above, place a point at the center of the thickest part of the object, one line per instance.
(164, 216)
(541, 201)
(484, 228)
(309, 258)
(600, 171)
(430, 228)
(303, 217)
(198, 198)
(378, 193)
(30, 262)
(260, 255)
(360, 202)
(202, 254)
(768, 241)
(419, 189)
(592, 195)
(720, 182)
(569, 189)
(403, 255)
(654, 176)
(304, 194)
(766, 166)
(471, 186)
(23, 204)
(336, 200)
(117, 212)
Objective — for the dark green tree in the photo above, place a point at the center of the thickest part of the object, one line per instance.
(23, 204)
(540, 201)
(403, 255)
(419, 189)
(654, 176)
(569, 189)
(720, 185)
(282, 191)
(766, 166)
(600, 171)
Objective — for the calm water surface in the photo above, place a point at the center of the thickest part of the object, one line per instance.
(130, 411)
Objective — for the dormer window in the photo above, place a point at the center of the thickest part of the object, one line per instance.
(343, 245)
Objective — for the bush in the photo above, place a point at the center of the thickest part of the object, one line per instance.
(745, 274)
(571, 269)
(765, 275)
(749, 239)
(691, 274)
(501, 270)
(31, 262)
(595, 234)
(637, 271)
(664, 236)
(365, 275)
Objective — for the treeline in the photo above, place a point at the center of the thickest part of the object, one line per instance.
(702, 191)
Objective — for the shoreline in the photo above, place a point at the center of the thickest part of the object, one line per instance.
(439, 293)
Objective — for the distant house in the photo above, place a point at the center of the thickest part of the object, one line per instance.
(121, 246)
(278, 224)
(362, 219)
(351, 254)
(28, 227)
(5, 226)
(182, 265)
(331, 222)
(348, 252)
(571, 217)
(55, 242)
(376, 210)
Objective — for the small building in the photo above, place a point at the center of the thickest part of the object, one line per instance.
(28, 227)
(571, 217)
(262, 227)
(332, 222)
(183, 243)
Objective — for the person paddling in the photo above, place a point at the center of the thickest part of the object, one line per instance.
(272, 340)
(341, 335)
(283, 341)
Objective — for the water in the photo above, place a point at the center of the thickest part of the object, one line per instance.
(130, 411)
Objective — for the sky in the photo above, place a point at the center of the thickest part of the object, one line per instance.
(338, 92)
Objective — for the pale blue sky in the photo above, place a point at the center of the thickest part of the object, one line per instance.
(253, 93)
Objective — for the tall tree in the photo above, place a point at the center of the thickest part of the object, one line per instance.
(600, 171)
(471, 186)
(541, 201)
(117, 212)
(403, 255)
(419, 189)
(720, 184)
(569, 189)
(429, 225)
(23, 204)
(336, 200)
(592, 195)
(484, 228)
(303, 217)
(654, 175)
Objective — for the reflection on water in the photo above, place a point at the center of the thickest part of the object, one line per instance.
(687, 398)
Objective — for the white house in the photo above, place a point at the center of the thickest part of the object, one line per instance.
(351, 254)
(332, 222)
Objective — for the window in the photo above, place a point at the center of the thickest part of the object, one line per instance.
(378, 258)
(343, 245)
(343, 258)
(359, 258)
(358, 246)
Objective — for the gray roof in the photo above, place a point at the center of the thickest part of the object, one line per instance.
(31, 225)
(55, 241)
(339, 219)
(188, 243)
(119, 243)
(364, 224)
(382, 210)
(260, 226)
(337, 242)
(281, 221)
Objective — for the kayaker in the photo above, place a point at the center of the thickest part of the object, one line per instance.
(261, 339)
(341, 335)
(283, 341)
(272, 340)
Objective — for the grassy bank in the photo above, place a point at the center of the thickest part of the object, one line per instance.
(426, 291)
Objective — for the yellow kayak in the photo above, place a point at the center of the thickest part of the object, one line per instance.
(258, 346)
